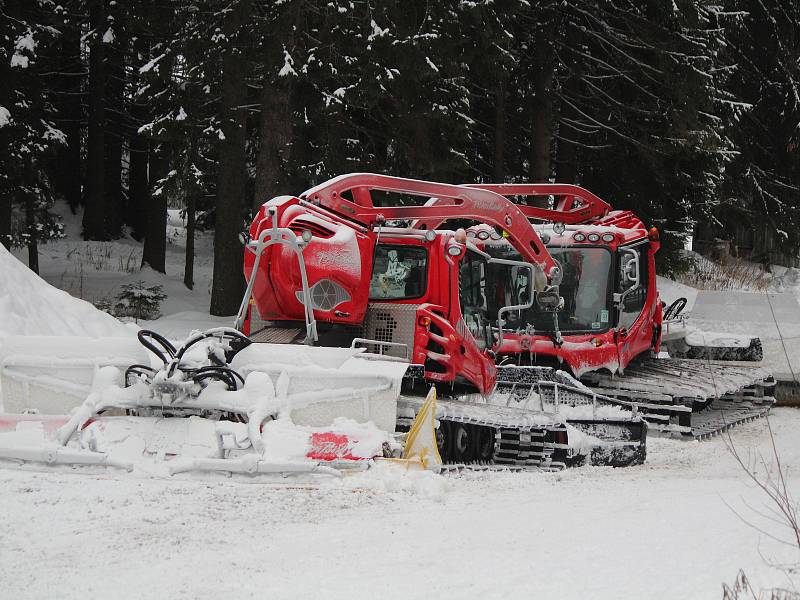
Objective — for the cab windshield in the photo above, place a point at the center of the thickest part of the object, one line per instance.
(585, 289)
(486, 287)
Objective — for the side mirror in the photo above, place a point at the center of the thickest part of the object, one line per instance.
(630, 267)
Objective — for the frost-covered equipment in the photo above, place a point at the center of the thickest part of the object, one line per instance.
(200, 410)
(52, 375)
(281, 235)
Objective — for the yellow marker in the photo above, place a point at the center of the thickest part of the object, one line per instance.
(421, 440)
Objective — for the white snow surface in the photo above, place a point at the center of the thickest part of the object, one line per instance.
(662, 530)
(31, 306)
(665, 529)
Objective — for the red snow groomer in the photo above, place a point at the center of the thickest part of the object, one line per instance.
(482, 292)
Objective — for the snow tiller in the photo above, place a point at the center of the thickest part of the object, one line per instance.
(216, 403)
(508, 297)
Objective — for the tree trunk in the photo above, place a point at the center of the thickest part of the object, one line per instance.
(138, 187)
(541, 106)
(5, 220)
(67, 168)
(94, 216)
(30, 226)
(115, 109)
(155, 237)
(138, 182)
(541, 126)
(228, 283)
(500, 129)
(115, 202)
(275, 132)
(154, 252)
(569, 138)
(188, 269)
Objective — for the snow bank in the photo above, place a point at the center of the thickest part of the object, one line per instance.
(670, 291)
(31, 306)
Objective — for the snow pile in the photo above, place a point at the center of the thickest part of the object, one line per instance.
(389, 477)
(31, 306)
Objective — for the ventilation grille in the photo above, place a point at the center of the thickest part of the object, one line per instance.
(388, 322)
(317, 229)
(325, 295)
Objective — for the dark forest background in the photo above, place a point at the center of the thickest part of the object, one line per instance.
(686, 111)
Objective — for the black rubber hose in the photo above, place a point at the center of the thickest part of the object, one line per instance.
(138, 370)
(224, 374)
(233, 335)
(675, 309)
(165, 344)
(225, 378)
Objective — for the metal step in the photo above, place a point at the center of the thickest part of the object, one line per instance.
(277, 335)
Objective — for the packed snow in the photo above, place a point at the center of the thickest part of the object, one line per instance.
(678, 526)
(666, 529)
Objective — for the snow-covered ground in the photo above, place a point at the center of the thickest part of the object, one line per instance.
(677, 527)
(666, 529)
(96, 271)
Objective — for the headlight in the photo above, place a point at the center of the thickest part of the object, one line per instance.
(483, 234)
(454, 250)
(579, 237)
(306, 235)
(593, 237)
(608, 237)
(430, 235)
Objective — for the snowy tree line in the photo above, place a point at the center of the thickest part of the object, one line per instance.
(684, 110)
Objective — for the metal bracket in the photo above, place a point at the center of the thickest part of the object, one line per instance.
(286, 237)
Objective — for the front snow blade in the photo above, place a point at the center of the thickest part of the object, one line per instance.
(613, 443)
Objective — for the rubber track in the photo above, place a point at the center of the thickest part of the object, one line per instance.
(722, 394)
(519, 434)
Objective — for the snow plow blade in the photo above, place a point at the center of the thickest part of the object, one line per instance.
(716, 346)
(683, 340)
(621, 443)
(53, 375)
